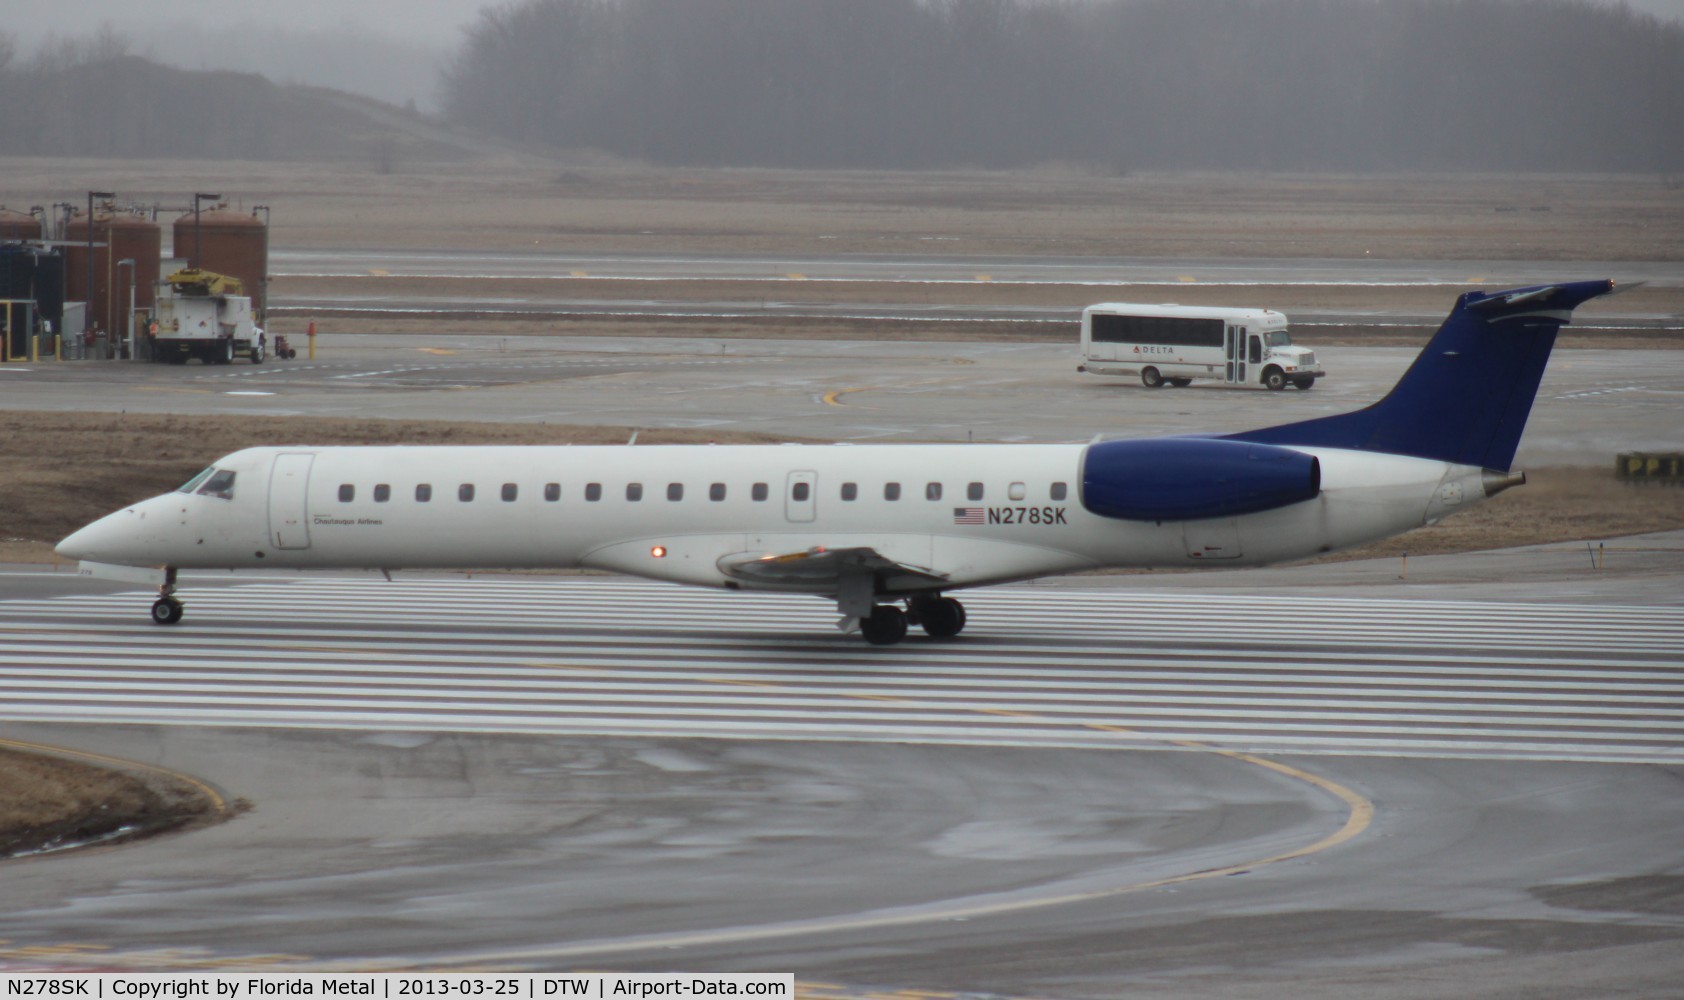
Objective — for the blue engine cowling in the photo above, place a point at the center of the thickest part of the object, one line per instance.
(1189, 479)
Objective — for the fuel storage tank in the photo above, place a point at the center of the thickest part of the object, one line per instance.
(231, 243)
(16, 225)
(116, 236)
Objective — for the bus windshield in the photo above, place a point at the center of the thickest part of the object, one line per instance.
(1280, 338)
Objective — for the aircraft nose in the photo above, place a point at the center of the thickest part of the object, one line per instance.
(111, 539)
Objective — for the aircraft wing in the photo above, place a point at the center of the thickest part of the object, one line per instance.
(824, 569)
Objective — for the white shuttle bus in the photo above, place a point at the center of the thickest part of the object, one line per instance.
(1177, 344)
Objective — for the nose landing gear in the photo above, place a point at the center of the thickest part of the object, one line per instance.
(167, 609)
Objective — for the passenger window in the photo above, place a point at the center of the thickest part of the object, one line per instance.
(974, 491)
(760, 491)
(423, 492)
(932, 491)
(634, 492)
(675, 492)
(799, 492)
(465, 493)
(219, 485)
(347, 493)
(1059, 491)
(510, 492)
(891, 491)
(382, 493)
(716, 491)
(850, 491)
(1016, 491)
(593, 492)
(552, 492)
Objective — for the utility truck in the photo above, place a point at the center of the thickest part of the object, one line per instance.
(202, 314)
(1177, 344)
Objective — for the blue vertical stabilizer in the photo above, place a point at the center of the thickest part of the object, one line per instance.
(1466, 397)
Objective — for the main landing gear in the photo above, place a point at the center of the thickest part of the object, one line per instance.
(940, 617)
(167, 609)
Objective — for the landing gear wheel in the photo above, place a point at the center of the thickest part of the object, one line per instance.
(941, 617)
(1275, 379)
(885, 626)
(166, 611)
(1151, 378)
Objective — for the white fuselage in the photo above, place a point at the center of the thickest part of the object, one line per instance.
(968, 514)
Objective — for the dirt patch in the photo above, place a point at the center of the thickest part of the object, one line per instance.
(596, 207)
(51, 803)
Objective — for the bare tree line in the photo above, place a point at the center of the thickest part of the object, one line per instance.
(1546, 85)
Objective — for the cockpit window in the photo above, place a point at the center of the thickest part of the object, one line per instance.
(196, 481)
(220, 485)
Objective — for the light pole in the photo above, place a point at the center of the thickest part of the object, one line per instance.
(88, 310)
(197, 198)
(128, 322)
(263, 279)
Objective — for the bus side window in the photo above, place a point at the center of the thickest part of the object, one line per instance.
(1256, 353)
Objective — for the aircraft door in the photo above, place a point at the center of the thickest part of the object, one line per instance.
(289, 520)
(801, 496)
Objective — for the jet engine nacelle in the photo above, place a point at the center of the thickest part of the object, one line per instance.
(1190, 479)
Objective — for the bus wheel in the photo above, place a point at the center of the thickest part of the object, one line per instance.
(1151, 378)
(1181, 383)
(1275, 379)
(1304, 383)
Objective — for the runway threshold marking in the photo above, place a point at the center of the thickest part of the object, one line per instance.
(1359, 817)
(204, 788)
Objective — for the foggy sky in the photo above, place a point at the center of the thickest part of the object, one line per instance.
(435, 22)
(390, 49)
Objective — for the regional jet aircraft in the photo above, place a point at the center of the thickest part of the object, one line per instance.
(886, 531)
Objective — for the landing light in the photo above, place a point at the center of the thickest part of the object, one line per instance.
(659, 551)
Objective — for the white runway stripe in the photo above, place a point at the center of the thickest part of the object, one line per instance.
(1038, 666)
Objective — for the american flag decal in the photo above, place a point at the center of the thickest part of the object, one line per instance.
(970, 515)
